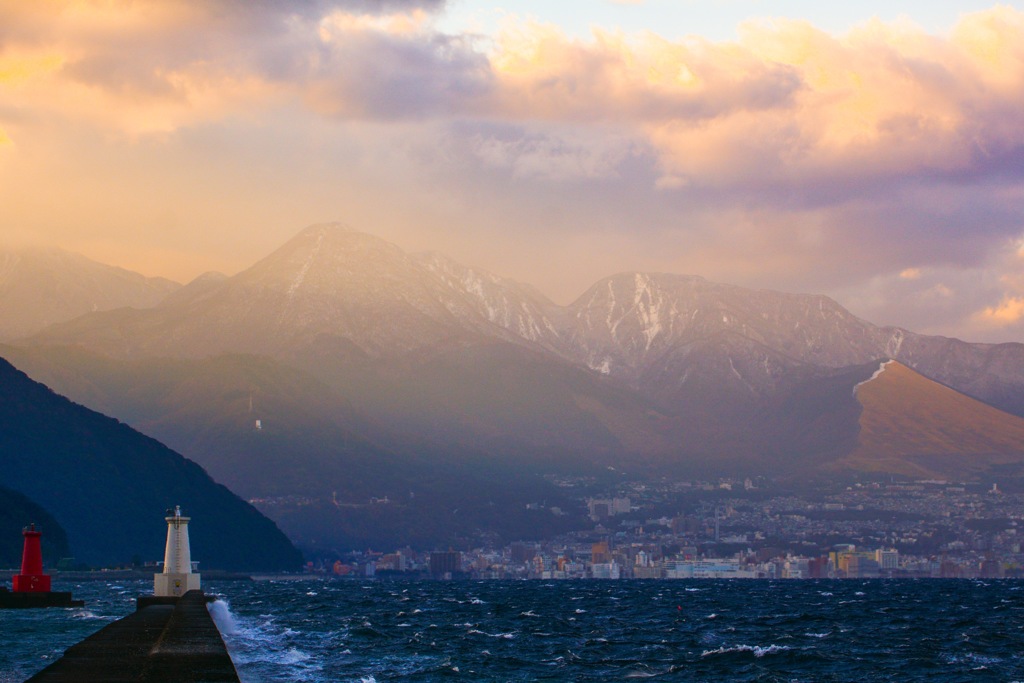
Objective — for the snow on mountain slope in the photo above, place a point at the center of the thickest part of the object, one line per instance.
(512, 306)
(641, 326)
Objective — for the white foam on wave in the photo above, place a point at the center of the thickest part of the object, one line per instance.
(86, 614)
(293, 655)
(756, 650)
(973, 658)
(506, 636)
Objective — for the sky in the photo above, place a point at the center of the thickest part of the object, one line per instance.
(872, 152)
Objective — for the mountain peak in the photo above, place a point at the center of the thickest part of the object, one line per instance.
(323, 257)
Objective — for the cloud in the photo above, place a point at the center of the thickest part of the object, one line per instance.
(884, 165)
(1008, 313)
(637, 80)
(1010, 310)
(786, 104)
(393, 67)
(552, 153)
(157, 66)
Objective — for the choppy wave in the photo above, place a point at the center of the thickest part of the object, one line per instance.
(756, 650)
(727, 632)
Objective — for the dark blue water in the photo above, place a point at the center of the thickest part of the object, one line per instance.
(582, 631)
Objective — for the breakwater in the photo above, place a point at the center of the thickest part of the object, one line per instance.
(164, 640)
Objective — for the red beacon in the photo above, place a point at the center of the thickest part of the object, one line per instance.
(32, 586)
(32, 579)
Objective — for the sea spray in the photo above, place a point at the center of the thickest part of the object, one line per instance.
(262, 649)
(220, 610)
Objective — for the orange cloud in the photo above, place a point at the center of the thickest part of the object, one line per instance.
(786, 102)
(135, 67)
(16, 70)
(1009, 311)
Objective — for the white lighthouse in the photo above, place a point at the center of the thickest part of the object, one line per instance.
(177, 577)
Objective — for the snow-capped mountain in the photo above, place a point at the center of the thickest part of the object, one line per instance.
(645, 327)
(662, 335)
(328, 280)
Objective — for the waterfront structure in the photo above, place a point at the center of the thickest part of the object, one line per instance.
(710, 568)
(444, 565)
(605, 570)
(161, 642)
(31, 585)
(177, 577)
(32, 579)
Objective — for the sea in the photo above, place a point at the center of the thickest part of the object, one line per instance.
(701, 630)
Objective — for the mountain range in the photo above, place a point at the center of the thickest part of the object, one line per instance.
(375, 373)
(100, 488)
(42, 286)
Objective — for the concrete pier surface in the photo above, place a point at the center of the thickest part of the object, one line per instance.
(165, 640)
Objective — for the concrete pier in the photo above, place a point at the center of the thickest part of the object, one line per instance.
(166, 640)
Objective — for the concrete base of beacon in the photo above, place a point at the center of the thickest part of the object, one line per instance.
(18, 600)
(167, 639)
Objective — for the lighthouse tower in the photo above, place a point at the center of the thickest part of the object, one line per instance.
(31, 579)
(177, 577)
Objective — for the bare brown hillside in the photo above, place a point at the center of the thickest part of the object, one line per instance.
(914, 426)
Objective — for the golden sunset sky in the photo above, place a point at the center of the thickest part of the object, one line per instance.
(874, 153)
